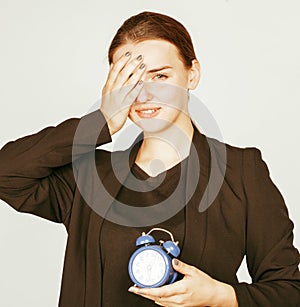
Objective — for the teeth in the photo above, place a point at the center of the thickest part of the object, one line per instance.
(147, 111)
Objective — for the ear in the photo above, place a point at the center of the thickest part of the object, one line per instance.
(194, 75)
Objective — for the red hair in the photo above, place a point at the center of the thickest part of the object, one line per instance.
(150, 25)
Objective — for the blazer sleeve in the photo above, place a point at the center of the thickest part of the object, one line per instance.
(36, 171)
(272, 259)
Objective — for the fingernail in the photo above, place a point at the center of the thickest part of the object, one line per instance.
(139, 57)
(131, 289)
(142, 66)
(127, 54)
(175, 262)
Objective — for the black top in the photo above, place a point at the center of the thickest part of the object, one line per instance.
(115, 253)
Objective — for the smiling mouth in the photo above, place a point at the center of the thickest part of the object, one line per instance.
(148, 112)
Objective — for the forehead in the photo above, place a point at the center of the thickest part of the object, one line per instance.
(153, 51)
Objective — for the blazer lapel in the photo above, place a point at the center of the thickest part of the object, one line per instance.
(198, 171)
(110, 180)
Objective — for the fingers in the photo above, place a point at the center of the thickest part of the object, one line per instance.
(177, 299)
(129, 70)
(164, 291)
(195, 289)
(133, 82)
(183, 268)
(123, 71)
(136, 75)
(132, 94)
(116, 68)
(122, 87)
(157, 299)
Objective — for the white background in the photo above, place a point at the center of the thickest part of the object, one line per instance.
(53, 66)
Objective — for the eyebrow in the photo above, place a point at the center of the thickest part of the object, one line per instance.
(158, 69)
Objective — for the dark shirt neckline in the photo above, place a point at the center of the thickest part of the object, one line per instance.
(139, 173)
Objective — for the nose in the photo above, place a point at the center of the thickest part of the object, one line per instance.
(144, 95)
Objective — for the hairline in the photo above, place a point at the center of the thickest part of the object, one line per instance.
(140, 40)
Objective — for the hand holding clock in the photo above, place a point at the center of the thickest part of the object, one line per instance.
(196, 289)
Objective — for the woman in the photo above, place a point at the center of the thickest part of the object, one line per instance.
(57, 174)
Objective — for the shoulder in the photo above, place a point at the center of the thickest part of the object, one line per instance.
(233, 156)
(238, 165)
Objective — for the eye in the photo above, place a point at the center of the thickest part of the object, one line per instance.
(160, 77)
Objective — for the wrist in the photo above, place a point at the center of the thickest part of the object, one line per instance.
(112, 129)
(224, 296)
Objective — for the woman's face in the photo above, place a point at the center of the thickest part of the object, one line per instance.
(164, 97)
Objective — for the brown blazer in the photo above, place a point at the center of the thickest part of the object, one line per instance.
(246, 217)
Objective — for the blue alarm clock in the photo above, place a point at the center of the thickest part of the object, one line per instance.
(150, 265)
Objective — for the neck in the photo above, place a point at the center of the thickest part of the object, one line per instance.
(161, 151)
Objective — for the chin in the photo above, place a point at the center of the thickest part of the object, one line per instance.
(153, 126)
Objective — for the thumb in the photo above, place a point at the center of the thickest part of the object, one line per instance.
(182, 267)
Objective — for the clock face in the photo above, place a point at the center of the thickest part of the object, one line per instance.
(149, 267)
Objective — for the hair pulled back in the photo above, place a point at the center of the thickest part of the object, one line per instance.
(151, 25)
